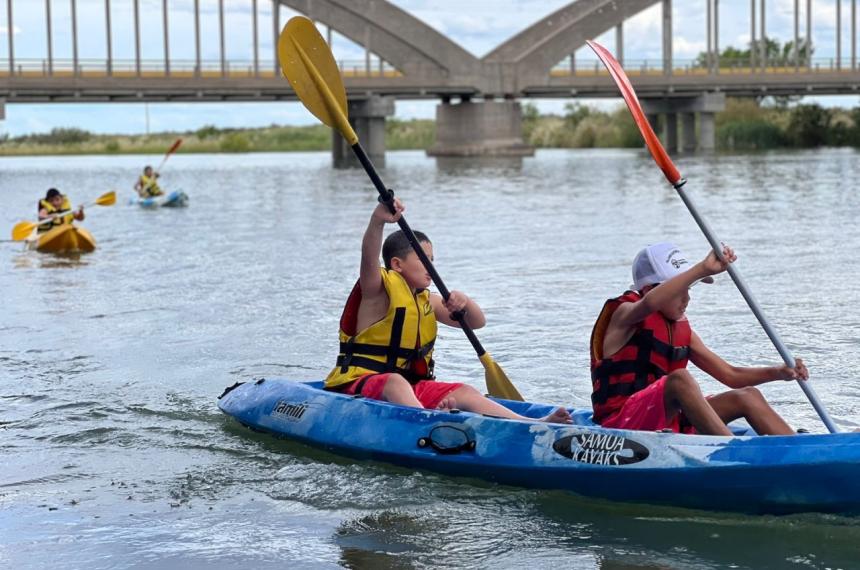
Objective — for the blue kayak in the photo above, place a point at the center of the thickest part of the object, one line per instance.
(744, 473)
(176, 199)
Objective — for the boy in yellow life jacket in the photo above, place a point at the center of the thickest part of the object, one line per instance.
(147, 185)
(388, 329)
(55, 203)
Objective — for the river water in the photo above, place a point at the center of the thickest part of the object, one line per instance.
(113, 453)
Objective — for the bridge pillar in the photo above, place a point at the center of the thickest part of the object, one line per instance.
(488, 128)
(707, 131)
(670, 136)
(688, 132)
(367, 117)
(705, 106)
(2, 109)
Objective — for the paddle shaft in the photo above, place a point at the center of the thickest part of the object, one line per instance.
(387, 198)
(771, 332)
(56, 215)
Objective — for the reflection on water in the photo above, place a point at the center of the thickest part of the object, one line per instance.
(464, 165)
(114, 453)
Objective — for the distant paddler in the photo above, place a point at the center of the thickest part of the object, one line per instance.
(58, 207)
(147, 185)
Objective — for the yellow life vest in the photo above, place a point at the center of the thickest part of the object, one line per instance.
(149, 186)
(59, 220)
(401, 342)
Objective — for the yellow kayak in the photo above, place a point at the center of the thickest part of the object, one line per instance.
(66, 238)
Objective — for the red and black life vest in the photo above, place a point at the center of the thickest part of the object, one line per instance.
(658, 347)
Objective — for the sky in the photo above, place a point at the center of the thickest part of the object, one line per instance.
(477, 25)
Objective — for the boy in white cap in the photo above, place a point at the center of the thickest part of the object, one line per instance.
(640, 347)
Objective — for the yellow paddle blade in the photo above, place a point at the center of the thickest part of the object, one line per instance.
(107, 199)
(498, 383)
(308, 64)
(22, 230)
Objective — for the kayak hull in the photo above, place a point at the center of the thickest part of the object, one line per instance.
(176, 199)
(774, 474)
(65, 238)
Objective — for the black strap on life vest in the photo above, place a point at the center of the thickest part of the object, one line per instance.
(641, 367)
(356, 354)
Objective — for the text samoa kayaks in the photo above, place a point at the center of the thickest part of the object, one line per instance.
(745, 473)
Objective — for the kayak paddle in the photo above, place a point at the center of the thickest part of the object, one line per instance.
(674, 177)
(24, 229)
(309, 65)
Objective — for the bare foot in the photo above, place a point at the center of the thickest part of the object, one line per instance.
(447, 404)
(560, 416)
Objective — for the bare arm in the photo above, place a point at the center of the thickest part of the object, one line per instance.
(740, 376)
(458, 301)
(371, 246)
(628, 315)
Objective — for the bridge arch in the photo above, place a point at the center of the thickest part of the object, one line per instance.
(404, 41)
(534, 51)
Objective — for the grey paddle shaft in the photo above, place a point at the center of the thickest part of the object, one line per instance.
(787, 357)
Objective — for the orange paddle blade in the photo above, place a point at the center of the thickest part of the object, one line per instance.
(175, 146)
(623, 82)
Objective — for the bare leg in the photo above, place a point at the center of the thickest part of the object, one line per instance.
(398, 391)
(748, 403)
(471, 400)
(447, 404)
(682, 393)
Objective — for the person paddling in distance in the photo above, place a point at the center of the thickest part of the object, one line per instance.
(388, 329)
(147, 185)
(53, 204)
(640, 346)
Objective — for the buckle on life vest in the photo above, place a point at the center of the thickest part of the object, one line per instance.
(347, 355)
(679, 353)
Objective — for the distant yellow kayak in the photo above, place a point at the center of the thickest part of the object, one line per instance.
(66, 238)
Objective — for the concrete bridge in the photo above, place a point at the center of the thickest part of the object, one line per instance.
(479, 112)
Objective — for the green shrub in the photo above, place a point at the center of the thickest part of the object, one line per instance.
(753, 134)
(235, 142)
(809, 125)
(207, 131)
(112, 146)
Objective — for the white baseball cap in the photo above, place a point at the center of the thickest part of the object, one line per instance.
(658, 263)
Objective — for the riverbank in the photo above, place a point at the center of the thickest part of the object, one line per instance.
(746, 124)
(401, 135)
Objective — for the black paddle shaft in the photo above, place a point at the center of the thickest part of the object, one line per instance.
(386, 196)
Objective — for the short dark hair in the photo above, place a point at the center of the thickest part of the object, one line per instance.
(52, 192)
(397, 245)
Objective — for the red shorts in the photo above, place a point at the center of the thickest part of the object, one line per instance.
(646, 410)
(428, 392)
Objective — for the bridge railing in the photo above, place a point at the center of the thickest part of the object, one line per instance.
(124, 68)
(590, 68)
